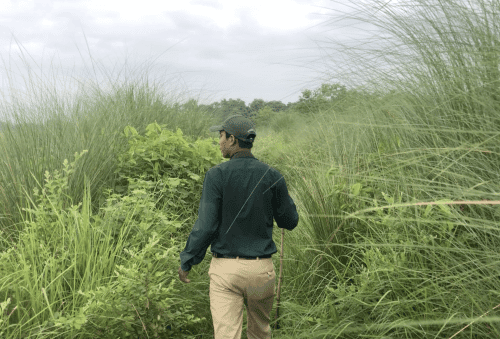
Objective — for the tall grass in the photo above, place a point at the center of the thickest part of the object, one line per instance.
(389, 257)
(380, 251)
(42, 127)
(43, 283)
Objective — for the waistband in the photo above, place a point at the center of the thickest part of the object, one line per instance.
(217, 255)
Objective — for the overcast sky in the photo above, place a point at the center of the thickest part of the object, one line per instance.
(269, 49)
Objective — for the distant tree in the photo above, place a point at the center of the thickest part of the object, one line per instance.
(276, 106)
(204, 107)
(256, 105)
(331, 92)
(263, 116)
(211, 109)
(176, 106)
(324, 97)
(191, 104)
(216, 107)
(306, 94)
(309, 104)
(232, 107)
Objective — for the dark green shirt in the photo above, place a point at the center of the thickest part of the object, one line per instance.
(233, 187)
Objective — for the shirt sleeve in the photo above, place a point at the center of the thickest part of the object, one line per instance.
(206, 227)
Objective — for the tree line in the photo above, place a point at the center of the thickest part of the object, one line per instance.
(327, 96)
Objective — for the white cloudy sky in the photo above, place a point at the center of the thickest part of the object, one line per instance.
(269, 49)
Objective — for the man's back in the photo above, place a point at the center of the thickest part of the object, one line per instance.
(253, 194)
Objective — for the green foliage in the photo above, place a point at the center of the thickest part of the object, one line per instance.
(60, 276)
(263, 116)
(4, 316)
(190, 105)
(280, 121)
(144, 209)
(58, 252)
(276, 106)
(323, 98)
(403, 252)
(52, 198)
(42, 126)
(174, 164)
(227, 108)
(384, 251)
(141, 301)
(256, 105)
(285, 122)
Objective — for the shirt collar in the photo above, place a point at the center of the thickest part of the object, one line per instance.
(246, 153)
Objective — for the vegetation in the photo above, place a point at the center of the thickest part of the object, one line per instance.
(396, 186)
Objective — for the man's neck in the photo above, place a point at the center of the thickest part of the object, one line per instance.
(246, 150)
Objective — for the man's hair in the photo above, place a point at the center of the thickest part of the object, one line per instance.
(241, 143)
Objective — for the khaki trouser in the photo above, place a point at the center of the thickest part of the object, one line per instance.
(237, 282)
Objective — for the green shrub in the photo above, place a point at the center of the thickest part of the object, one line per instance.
(140, 212)
(141, 301)
(61, 277)
(61, 250)
(174, 164)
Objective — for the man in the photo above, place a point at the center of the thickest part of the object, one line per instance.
(239, 200)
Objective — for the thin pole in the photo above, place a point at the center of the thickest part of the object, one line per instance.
(276, 324)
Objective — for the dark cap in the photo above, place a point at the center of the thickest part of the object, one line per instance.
(242, 128)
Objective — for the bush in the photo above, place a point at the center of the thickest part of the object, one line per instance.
(141, 301)
(74, 272)
(172, 163)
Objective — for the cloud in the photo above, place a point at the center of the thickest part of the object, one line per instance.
(208, 3)
(251, 49)
(184, 22)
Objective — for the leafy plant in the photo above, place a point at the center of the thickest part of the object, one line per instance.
(141, 301)
(174, 164)
(143, 210)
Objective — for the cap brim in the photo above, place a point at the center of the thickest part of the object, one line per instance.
(216, 128)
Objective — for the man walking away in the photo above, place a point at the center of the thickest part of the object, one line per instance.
(239, 200)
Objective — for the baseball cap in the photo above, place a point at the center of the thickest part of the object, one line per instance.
(242, 128)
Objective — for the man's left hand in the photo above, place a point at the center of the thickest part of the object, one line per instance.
(183, 276)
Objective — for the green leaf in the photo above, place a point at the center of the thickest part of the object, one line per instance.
(129, 130)
(4, 304)
(427, 210)
(356, 188)
(174, 182)
(445, 209)
(388, 198)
